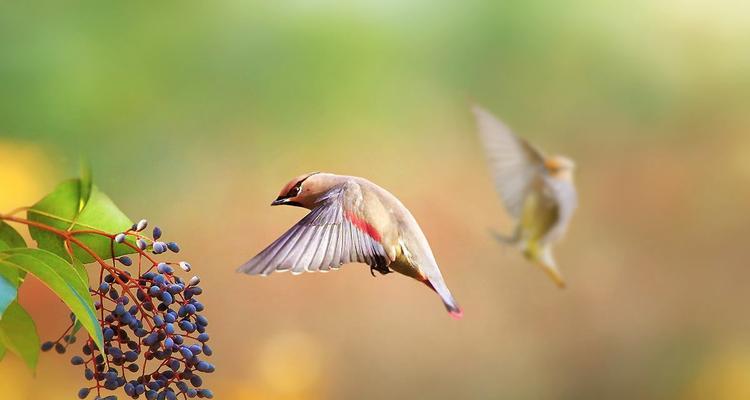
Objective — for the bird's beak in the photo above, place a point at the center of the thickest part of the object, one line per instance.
(279, 202)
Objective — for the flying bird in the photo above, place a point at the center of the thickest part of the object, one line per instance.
(538, 191)
(351, 220)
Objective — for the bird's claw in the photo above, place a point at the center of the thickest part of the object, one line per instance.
(381, 270)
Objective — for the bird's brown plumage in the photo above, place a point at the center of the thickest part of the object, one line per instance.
(351, 220)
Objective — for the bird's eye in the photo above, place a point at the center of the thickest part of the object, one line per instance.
(295, 191)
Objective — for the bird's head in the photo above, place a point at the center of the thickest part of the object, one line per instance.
(560, 167)
(304, 190)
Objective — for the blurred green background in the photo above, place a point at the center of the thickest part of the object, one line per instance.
(195, 114)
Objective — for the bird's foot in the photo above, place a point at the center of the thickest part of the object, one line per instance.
(381, 270)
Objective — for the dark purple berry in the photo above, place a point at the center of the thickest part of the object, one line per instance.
(186, 352)
(159, 247)
(151, 339)
(175, 288)
(146, 320)
(164, 268)
(204, 367)
(83, 393)
(174, 247)
(129, 389)
(166, 298)
(194, 281)
(125, 260)
(154, 291)
(131, 356)
(187, 326)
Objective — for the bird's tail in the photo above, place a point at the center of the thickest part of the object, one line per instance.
(438, 285)
(542, 256)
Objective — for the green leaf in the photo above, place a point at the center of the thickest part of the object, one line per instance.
(76, 327)
(81, 271)
(9, 237)
(18, 334)
(86, 184)
(62, 278)
(60, 210)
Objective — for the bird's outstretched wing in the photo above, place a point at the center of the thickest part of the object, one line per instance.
(332, 234)
(516, 165)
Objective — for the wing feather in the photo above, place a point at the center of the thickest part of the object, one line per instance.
(326, 261)
(279, 249)
(324, 239)
(313, 245)
(292, 260)
(320, 252)
(515, 164)
(358, 246)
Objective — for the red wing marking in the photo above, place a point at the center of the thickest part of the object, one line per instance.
(363, 225)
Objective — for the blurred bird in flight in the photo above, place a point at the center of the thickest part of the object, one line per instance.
(351, 220)
(537, 190)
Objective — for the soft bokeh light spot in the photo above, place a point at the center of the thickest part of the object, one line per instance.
(24, 174)
(290, 364)
(725, 376)
(14, 378)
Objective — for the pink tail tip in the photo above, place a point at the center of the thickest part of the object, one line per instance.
(457, 314)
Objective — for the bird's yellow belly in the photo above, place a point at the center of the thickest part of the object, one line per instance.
(403, 266)
(539, 216)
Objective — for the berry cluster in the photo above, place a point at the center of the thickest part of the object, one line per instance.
(154, 334)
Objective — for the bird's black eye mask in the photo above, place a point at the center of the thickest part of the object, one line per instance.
(295, 190)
